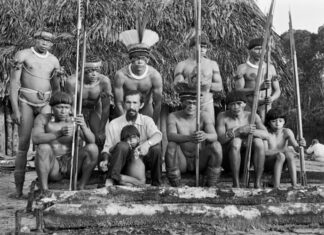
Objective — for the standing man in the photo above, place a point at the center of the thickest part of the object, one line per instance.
(211, 80)
(119, 152)
(31, 85)
(53, 135)
(183, 139)
(96, 97)
(246, 76)
(138, 75)
(233, 127)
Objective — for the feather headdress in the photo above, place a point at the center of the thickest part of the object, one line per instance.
(139, 41)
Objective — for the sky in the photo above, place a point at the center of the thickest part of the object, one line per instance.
(306, 14)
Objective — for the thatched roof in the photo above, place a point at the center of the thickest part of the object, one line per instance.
(229, 24)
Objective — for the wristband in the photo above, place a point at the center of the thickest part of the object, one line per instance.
(149, 143)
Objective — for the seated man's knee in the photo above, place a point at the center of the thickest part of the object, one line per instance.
(236, 144)
(124, 146)
(92, 149)
(216, 148)
(43, 151)
(258, 143)
(280, 157)
(171, 149)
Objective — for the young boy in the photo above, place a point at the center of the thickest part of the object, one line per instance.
(134, 172)
(277, 149)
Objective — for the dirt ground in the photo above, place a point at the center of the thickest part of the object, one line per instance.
(9, 206)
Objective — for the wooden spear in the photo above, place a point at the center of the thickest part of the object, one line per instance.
(256, 95)
(268, 74)
(82, 11)
(198, 59)
(79, 25)
(303, 178)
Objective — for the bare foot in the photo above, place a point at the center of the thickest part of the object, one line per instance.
(17, 196)
(109, 182)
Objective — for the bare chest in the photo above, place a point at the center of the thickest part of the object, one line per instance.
(143, 85)
(277, 141)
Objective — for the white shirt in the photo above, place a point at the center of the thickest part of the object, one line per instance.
(317, 150)
(143, 123)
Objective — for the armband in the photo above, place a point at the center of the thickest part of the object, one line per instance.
(16, 65)
(230, 134)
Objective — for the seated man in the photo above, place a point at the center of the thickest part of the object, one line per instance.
(183, 139)
(119, 152)
(277, 150)
(316, 150)
(233, 127)
(52, 134)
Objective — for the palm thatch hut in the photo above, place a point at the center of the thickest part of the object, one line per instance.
(229, 24)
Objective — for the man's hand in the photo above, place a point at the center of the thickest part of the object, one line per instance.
(101, 137)
(104, 165)
(247, 129)
(143, 149)
(268, 100)
(67, 130)
(302, 142)
(79, 120)
(16, 117)
(199, 136)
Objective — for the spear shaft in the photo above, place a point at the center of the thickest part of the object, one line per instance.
(79, 26)
(303, 178)
(256, 96)
(198, 59)
(78, 106)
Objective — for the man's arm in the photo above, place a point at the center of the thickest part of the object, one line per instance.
(157, 95)
(106, 94)
(119, 92)
(223, 135)
(87, 134)
(292, 140)
(217, 83)
(39, 136)
(210, 132)
(260, 131)
(57, 73)
(15, 74)
(172, 132)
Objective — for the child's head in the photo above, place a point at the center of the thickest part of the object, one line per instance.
(131, 135)
(275, 119)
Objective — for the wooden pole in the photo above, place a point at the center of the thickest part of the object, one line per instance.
(256, 96)
(303, 178)
(77, 107)
(268, 74)
(198, 59)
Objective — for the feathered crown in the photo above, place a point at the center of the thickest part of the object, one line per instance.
(139, 41)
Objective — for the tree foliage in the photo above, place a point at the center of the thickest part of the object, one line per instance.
(229, 25)
(310, 57)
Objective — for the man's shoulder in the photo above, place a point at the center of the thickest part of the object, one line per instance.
(104, 78)
(176, 114)
(23, 53)
(43, 117)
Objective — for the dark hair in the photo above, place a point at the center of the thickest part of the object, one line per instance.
(92, 58)
(134, 92)
(60, 97)
(203, 40)
(315, 141)
(274, 114)
(255, 42)
(235, 96)
(128, 131)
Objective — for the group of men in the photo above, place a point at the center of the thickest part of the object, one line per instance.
(41, 96)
